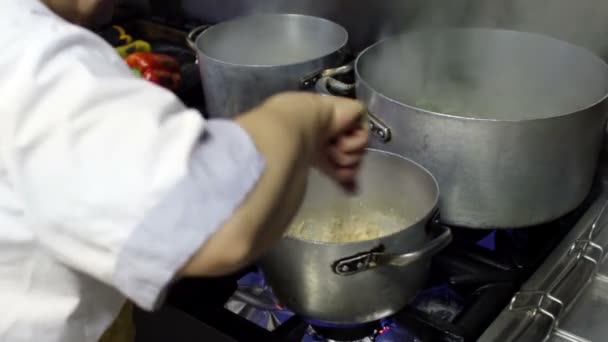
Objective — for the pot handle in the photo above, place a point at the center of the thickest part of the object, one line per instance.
(369, 260)
(311, 80)
(328, 85)
(192, 35)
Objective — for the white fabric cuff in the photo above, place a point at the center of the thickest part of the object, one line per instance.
(224, 168)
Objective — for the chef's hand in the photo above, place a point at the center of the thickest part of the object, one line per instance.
(343, 146)
(293, 131)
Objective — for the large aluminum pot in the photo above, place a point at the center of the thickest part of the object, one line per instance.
(510, 123)
(371, 276)
(246, 60)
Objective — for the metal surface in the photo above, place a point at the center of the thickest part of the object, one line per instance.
(586, 321)
(300, 271)
(256, 298)
(171, 324)
(528, 152)
(565, 299)
(246, 60)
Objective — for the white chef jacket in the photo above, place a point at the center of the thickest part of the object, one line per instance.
(108, 184)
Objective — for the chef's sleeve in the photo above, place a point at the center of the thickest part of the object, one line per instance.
(119, 180)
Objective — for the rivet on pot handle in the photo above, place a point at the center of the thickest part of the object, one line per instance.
(363, 262)
(327, 85)
(378, 128)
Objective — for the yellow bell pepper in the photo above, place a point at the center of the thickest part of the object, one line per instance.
(136, 46)
(122, 34)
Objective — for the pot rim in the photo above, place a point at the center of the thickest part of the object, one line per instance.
(362, 81)
(423, 218)
(202, 53)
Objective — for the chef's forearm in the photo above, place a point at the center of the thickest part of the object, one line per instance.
(260, 221)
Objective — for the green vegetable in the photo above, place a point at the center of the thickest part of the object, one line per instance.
(136, 72)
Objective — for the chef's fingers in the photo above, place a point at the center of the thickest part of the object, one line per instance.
(347, 114)
(350, 187)
(346, 177)
(344, 174)
(341, 159)
(352, 141)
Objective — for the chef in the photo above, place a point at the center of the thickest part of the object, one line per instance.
(110, 189)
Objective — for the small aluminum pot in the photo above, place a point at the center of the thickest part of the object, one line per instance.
(246, 60)
(367, 280)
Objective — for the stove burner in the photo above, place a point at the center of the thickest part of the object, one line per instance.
(357, 333)
(440, 302)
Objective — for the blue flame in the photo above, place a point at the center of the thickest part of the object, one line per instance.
(488, 242)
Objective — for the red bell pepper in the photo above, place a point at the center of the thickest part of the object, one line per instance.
(145, 61)
(167, 79)
(161, 69)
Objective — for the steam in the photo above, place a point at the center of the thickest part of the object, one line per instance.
(582, 22)
(436, 72)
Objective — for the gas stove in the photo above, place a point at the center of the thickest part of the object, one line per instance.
(471, 282)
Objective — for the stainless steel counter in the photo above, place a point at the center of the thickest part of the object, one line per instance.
(567, 298)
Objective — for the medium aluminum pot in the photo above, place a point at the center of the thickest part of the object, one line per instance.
(246, 60)
(510, 123)
(366, 277)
